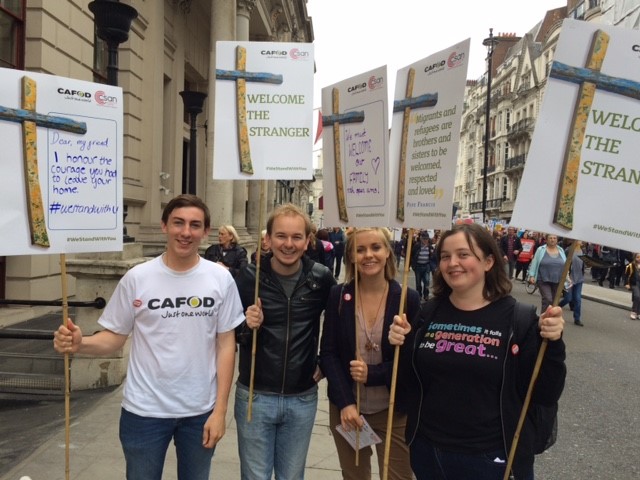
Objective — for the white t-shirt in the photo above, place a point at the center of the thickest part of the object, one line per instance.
(173, 318)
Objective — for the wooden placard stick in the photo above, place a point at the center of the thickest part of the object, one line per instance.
(567, 189)
(537, 365)
(241, 77)
(357, 342)
(30, 120)
(254, 334)
(334, 121)
(406, 105)
(396, 360)
(67, 379)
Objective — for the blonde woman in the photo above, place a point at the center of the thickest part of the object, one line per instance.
(227, 252)
(372, 306)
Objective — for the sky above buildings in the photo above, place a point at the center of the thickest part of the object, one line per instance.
(355, 36)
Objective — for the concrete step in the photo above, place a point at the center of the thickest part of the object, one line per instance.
(32, 363)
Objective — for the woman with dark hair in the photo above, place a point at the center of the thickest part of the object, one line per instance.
(467, 365)
(373, 305)
(227, 252)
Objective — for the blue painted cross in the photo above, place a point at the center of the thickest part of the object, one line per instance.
(405, 105)
(241, 77)
(30, 120)
(334, 120)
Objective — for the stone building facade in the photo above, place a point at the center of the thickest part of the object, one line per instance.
(170, 49)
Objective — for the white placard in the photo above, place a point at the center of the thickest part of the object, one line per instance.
(80, 174)
(279, 111)
(608, 178)
(432, 138)
(363, 145)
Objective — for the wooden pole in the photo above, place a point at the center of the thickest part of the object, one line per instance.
(355, 319)
(538, 364)
(396, 359)
(67, 379)
(254, 335)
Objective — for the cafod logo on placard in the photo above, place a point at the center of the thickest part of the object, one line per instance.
(72, 94)
(435, 67)
(360, 87)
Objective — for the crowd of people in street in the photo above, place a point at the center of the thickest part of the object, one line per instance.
(467, 348)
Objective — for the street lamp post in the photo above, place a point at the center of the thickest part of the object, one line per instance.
(193, 102)
(489, 42)
(113, 22)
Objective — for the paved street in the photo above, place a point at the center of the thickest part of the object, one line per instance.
(598, 422)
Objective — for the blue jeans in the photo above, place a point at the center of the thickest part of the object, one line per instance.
(431, 463)
(277, 438)
(574, 296)
(422, 279)
(145, 441)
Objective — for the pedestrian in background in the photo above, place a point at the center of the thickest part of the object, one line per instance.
(546, 269)
(525, 255)
(511, 247)
(265, 250)
(467, 370)
(180, 312)
(421, 264)
(227, 252)
(573, 292)
(632, 282)
(337, 238)
(293, 292)
(373, 306)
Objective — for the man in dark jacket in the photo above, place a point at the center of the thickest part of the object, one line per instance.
(293, 292)
(511, 247)
(338, 239)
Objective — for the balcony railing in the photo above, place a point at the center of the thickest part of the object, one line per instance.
(493, 204)
(515, 162)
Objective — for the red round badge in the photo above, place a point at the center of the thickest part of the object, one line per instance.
(515, 349)
(347, 297)
(137, 302)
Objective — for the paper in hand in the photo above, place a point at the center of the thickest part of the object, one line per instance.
(367, 435)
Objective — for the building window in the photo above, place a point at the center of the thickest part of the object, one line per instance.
(12, 15)
(506, 150)
(100, 59)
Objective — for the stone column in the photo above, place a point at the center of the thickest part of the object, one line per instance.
(219, 193)
(243, 15)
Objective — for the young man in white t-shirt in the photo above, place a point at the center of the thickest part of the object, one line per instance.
(180, 312)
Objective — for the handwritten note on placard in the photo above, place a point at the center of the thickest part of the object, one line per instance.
(62, 182)
(355, 140)
(366, 179)
(83, 178)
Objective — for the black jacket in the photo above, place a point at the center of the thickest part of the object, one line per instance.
(338, 342)
(517, 369)
(287, 341)
(234, 257)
